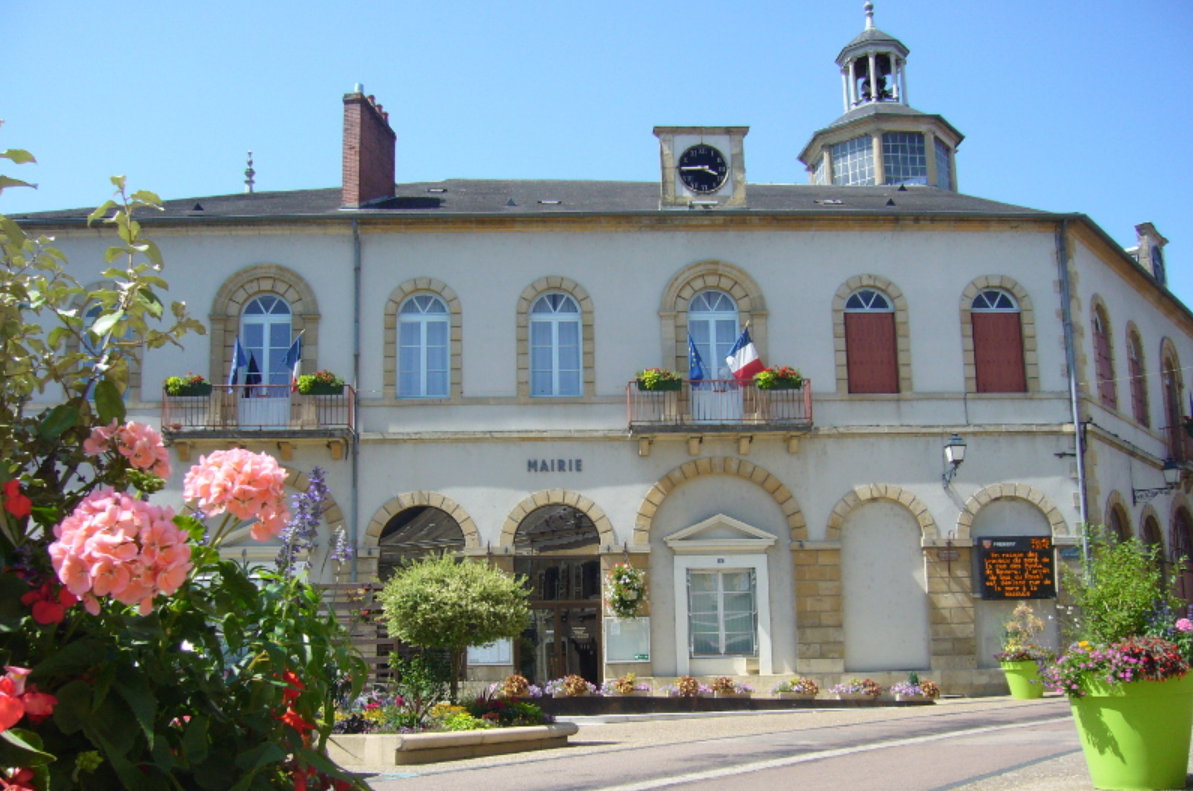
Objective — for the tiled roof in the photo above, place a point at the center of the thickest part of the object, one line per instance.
(544, 197)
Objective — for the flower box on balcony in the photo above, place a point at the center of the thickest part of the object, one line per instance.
(324, 389)
(190, 386)
(783, 378)
(321, 383)
(658, 379)
(661, 386)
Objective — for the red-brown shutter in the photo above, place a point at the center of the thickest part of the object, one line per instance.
(1107, 393)
(870, 353)
(1138, 393)
(998, 353)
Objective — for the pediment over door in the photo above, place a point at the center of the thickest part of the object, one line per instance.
(720, 534)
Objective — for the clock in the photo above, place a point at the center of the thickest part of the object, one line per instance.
(703, 169)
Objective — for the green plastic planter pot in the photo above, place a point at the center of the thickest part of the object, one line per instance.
(1136, 736)
(1024, 679)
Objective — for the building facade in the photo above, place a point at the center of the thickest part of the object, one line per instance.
(491, 332)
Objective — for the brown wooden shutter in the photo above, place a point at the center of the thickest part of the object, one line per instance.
(1138, 391)
(1107, 392)
(870, 353)
(998, 353)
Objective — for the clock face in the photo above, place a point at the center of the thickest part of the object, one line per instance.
(703, 169)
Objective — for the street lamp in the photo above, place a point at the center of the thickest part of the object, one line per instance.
(954, 454)
(1172, 476)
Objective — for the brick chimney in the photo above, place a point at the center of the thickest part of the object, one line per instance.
(369, 146)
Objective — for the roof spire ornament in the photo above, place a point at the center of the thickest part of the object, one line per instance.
(248, 175)
(869, 15)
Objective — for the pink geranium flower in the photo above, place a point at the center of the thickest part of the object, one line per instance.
(137, 442)
(1184, 625)
(119, 547)
(244, 484)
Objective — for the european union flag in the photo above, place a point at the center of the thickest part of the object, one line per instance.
(695, 364)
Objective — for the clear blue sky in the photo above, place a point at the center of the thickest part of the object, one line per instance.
(1066, 105)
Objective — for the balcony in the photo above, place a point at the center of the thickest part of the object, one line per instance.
(256, 412)
(718, 405)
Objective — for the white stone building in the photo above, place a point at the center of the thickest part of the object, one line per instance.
(490, 332)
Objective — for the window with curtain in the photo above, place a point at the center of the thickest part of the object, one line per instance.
(998, 343)
(713, 325)
(265, 333)
(722, 613)
(870, 352)
(423, 348)
(555, 346)
(1104, 360)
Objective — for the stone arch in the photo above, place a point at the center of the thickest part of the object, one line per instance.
(1020, 491)
(587, 334)
(237, 290)
(697, 277)
(372, 536)
(902, 328)
(1027, 323)
(719, 465)
(455, 332)
(881, 491)
(558, 497)
(132, 355)
(1149, 512)
(1115, 502)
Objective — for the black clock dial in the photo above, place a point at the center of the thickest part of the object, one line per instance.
(703, 169)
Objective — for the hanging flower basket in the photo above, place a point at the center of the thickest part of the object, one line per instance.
(625, 590)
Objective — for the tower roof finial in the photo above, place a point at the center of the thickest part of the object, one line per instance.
(248, 175)
(869, 15)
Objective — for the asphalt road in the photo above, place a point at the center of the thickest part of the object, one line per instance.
(986, 744)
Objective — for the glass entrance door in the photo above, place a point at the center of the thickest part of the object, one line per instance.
(561, 640)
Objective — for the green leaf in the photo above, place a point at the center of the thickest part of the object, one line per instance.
(72, 659)
(151, 302)
(104, 324)
(108, 402)
(6, 182)
(193, 527)
(28, 748)
(58, 420)
(194, 740)
(18, 156)
(130, 776)
(133, 686)
(152, 252)
(101, 210)
(74, 706)
(146, 197)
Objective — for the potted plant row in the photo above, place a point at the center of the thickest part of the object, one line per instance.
(725, 687)
(857, 689)
(796, 688)
(626, 686)
(913, 690)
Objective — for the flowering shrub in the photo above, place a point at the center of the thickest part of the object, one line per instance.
(855, 686)
(727, 686)
(784, 376)
(625, 685)
(625, 590)
(137, 657)
(800, 686)
(686, 687)
(1019, 638)
(179, 385)
(571, 686)
(653, 378)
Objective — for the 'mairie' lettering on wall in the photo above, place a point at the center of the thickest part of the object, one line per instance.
(554, 465)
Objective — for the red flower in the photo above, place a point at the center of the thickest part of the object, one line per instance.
(20, 780)
(38, 705)
(11, 707)
(294, 687)
(49, 607)
(295, 721)
(16, 503)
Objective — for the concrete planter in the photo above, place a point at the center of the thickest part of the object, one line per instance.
(797, 695)
(424, 748)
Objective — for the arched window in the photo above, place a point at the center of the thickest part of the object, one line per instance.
(423, 344)
(415, 533)
(713, 325)
(1181, 543)
(998, 343)
(1116, 523)
(1104, 358)
(870, 351)
(1135, 363)
(265, 333)
(555, 346)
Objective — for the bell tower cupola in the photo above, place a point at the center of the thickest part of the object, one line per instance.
(881, 139)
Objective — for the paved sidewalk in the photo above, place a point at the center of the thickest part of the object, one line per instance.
(615, 734)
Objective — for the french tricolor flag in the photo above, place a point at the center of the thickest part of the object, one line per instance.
(743, 358)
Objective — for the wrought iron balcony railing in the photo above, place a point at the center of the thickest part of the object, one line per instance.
(723, 403)
(269, 408)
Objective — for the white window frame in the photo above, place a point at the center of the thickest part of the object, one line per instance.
(554, 319)
(422, 317)
(719, 576)
(271, 371)
(713, 347)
